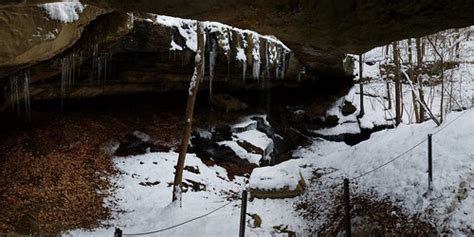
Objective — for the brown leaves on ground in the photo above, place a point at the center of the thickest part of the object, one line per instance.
(52, 180)
(323, 208)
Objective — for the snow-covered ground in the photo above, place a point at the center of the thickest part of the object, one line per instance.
(148, 208)
(403, 181)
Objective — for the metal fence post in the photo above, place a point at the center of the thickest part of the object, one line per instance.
(243, 214)
(430, 163)
(347, 208)
(118, 232)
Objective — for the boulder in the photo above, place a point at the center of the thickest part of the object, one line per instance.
(348, 108)
(280, 181)
(331, 121)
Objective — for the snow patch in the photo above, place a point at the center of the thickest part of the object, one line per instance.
(66, 12)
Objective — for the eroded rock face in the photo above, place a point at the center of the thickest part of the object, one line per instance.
(120, 53)
(309, 26)
(28, 36)
(338, 25)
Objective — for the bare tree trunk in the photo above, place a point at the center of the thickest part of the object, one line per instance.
(398, 102)
(389, 96)
(361, 69)
(412, 78)
(441, 106)
(193, 90)
(441, 59)
(419, 63)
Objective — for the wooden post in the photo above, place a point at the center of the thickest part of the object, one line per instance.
(430, 163)
(193, 90)
(118, 232)
(347, 208)
(243, 214)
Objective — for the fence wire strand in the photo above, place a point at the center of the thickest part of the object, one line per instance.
(398, 156)
(180, 224)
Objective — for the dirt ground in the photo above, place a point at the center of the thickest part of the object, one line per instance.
(369, 216)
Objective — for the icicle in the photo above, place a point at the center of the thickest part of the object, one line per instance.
(277, 64)
(256, 57)
(256, 70)
(244, 70)
(205, 48)
(95, 63)
(228, 54)
(170, 51)
(73, 67)
(68, 74)
(283, 65)
(26, 93)
(212, 63)
(11, 92)
(301, 73)
(20, 83)
(267, 61)
(14, 93)
(64, 78)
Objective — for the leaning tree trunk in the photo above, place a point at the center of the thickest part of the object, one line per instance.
(441, 58)
(193, 90)
(361, 86)
(398, 100)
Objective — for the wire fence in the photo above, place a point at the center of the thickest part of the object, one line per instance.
(180, 224)
(118, 232)
(399, 156)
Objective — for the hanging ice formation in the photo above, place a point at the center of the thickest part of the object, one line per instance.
(212, 63)
(267, 61)
(206, 48)
(240, 46)
(104, 67)
(301, 73)
(20, 84)
(283, 64)
(241, 56)
(67, 75)
(172, 48)
(101, 66)
(256, 56)
(26, 93)
(95, 52)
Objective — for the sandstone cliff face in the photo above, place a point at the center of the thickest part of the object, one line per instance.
(121, 53)
(29, 36)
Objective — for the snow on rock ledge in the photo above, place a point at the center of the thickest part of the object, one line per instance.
(66, 12)
(280, 181)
